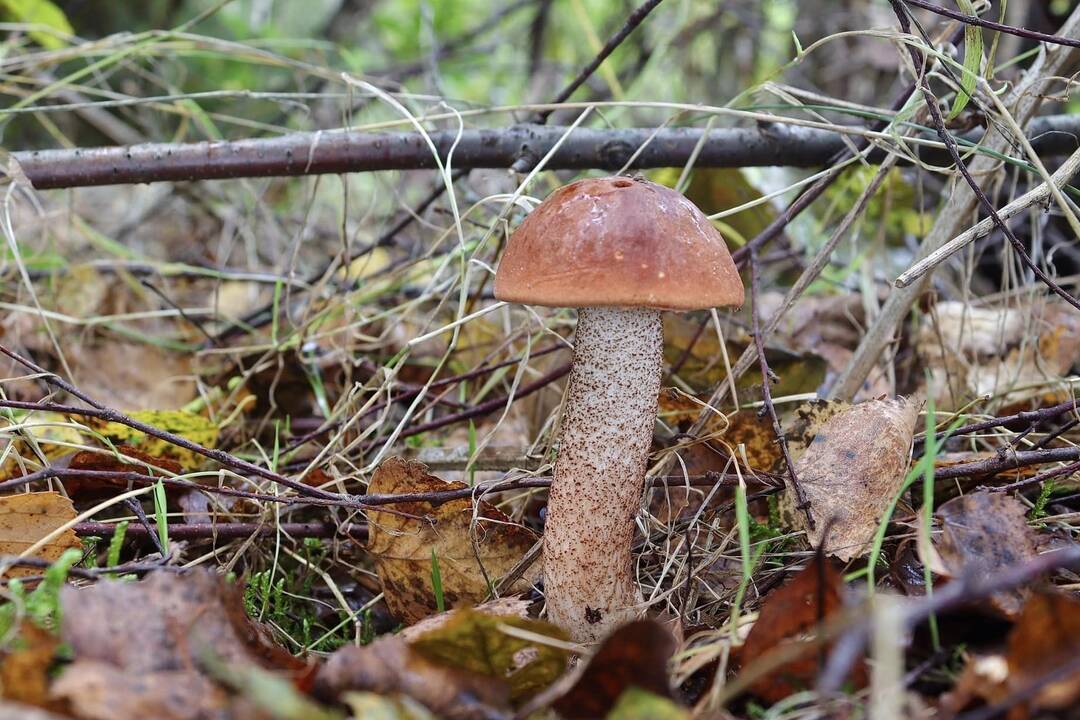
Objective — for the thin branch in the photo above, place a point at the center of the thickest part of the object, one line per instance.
(767, 378)
(635, 19)
(991, 25)
(931, 102)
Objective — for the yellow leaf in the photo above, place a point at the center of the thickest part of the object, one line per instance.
(26, 518)
(188, 425)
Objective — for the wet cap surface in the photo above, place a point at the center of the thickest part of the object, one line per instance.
(618, 241)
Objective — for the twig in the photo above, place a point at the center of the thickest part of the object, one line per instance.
(1025, 98)
(991, 25)
(982, 228)
(110, 415)
(931, 102)
(1039, 479)
(487, 406)
(229, 531)
(1008, 461)
(1031, 417)
(968, 588)
(766, 394)
(635, 18)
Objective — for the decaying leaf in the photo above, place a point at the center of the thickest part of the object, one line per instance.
(1045, 640)
(511, 606)
(983, 533)
(25, 663)
(100, 691)
(403, 542)
(851, 472)
(789, 614)
(805, 422)
(382, 707)
(638, 704)
(191, 426)
(703, 366)
(486, 645)
(389, 666)
(27, 518)
(166, 621)
(133, 374)
(1016, 353)
(81, 487)
(635, 655)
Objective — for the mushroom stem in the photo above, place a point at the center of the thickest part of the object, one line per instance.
(596, 491)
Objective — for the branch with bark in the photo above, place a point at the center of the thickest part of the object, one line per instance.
(342, 151)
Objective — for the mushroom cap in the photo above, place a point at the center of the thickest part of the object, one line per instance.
(618, 241)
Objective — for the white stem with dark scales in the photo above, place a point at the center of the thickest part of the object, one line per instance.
(600, 472)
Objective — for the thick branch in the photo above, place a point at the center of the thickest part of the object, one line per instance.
(343, 151)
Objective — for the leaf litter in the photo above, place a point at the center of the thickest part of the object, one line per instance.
(398, 610)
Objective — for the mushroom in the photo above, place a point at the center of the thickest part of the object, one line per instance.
(620, 250)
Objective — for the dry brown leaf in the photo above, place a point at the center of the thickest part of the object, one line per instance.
(26, 518)
(983, 533)
(83, 487)
(388, 666)
(166, 621)
(24, 666)
(99, 691)
(1015, 353)
(805, 422)
(851, 472)
(402, 543)
(133, 375)
(1045, 639)
(788, 614)
(635, 655)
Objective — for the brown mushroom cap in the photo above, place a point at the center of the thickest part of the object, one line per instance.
(618, 241)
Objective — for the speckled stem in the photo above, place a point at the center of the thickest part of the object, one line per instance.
(600, 471)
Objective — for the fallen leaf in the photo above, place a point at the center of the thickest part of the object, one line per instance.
(27, 518)
(82, 487)
(188, 425)
(638, 704)
(403, 542)
(851, 472)
(702, 366)
(983, 679)
(510, 606)
(806, 420)
(133, 374)
(983, 533)
(635, 655)
(1045, 639)
(486, 645)
(789, 614)
(100, 691)
(1015, 354)
(166, 621)
(25, 664)
(371, 706)
(388, 666)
